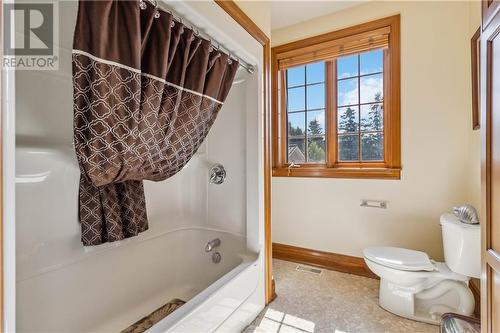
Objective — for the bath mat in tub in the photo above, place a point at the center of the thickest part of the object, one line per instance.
(154, 317)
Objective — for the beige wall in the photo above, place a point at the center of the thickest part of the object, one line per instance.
(259, 12)
(439, 149)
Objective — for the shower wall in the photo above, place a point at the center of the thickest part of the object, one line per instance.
(44, 119)
(226, 145)
(187, 199)
(47, 229)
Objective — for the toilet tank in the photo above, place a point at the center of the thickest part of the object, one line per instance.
(461, 245)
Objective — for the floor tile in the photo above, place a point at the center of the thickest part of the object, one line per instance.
(331, 302)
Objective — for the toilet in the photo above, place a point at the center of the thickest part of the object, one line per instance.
(416, 287)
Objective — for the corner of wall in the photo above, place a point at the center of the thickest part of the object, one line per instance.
(259, 12)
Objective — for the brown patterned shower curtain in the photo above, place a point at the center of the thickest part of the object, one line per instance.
(146, 92)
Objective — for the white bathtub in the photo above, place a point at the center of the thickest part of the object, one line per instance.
(65, 287)
(88, 295)
(215, 308)
(91, 296)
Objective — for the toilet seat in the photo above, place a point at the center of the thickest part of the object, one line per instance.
(399, 258)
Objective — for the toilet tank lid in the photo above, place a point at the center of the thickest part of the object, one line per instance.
(450, 219)
(399, 258)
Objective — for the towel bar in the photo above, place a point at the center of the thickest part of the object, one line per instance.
(374, 204)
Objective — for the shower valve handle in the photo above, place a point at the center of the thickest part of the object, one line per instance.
(217, 174)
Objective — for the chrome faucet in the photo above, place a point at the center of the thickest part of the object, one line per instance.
(212, 244)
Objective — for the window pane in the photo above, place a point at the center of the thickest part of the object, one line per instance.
(347, 66)
(296, 99)
(316, 96)
(347, 119)
(315, 123)
(296, 124)
(315, 72)
(296, 150)
(316, 150)
(348, 148)
(372, 147)
(295, 76)
(347, 91)
(372, 88)
(372, 62)
(372, 117)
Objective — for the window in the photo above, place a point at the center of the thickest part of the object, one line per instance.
(360, 105)
(336, 104)
(306, 113)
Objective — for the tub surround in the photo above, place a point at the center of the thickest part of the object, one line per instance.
(184, 212)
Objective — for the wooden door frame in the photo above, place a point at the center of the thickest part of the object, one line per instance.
(489, 257)
(230, 7)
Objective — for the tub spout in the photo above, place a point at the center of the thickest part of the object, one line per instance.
(212, 244)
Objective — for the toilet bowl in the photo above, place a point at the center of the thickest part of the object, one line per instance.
(416, 287)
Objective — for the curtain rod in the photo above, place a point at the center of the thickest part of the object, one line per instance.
(197, 32)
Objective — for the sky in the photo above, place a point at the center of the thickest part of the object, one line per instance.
(309, 81)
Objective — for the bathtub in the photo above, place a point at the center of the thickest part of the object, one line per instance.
(212, 309)
(212, 291)
(63, 286)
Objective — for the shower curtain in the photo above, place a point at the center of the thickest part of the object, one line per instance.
(146, 92)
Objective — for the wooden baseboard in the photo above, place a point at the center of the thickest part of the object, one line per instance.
(474, 286)
(336, 262)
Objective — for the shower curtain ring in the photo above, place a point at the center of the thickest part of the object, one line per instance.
(172, 24)
(196, 33)
(142, 4)
(157, 11)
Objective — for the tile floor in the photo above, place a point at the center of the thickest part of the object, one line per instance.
(331, 302)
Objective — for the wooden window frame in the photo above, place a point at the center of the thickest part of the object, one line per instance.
(310, 48)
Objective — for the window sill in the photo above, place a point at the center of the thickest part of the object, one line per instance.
(322, 172)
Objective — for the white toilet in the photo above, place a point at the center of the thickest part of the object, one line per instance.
(416, 287)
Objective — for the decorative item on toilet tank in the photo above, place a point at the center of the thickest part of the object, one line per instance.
(466, 213)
